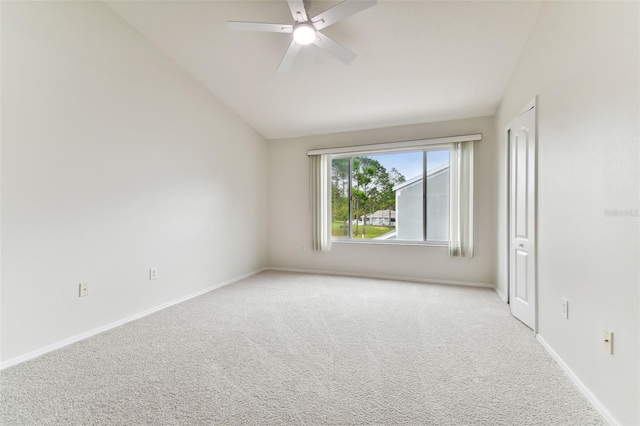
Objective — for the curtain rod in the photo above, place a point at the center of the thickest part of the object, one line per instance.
(390, 146)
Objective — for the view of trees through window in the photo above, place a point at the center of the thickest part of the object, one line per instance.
(382, 196)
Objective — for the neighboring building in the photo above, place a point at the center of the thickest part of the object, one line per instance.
(382, 218)
(409, 206)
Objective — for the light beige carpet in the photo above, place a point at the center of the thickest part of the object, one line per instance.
(281, 348)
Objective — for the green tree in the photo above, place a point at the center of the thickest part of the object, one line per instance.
(388, 196)
(371, 190)
(340, 192)
(370, 182)
(396, 177)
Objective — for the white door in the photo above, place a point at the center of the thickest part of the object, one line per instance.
(522, 218)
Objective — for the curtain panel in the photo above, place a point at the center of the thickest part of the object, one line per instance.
(461, 232)
(320, 190)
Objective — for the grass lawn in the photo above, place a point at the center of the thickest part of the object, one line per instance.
(372, 231)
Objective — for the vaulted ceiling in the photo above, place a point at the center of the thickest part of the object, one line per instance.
(417, 61)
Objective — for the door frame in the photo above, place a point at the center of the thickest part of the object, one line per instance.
(534, 244)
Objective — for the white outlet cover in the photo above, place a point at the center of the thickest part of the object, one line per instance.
(83, 289)
(607, 338)
(153, 273)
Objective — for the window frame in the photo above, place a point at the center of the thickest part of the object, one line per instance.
(424, 149)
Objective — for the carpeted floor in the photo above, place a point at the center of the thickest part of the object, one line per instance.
(282, 348)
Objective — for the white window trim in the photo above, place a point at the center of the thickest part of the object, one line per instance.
(339, 240)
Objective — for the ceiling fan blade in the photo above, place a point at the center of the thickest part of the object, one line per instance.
(297, 10)
(289, 56)
(260, 26)
(341, 11)
(336, 49)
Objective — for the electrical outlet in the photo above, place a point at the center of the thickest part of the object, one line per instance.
(83, 289)
(607, 336)
(302, 248)
(565, 308)
(153, 273)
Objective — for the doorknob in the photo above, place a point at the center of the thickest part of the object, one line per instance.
(521, 245)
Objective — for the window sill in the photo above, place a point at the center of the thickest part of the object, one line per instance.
(389, 243)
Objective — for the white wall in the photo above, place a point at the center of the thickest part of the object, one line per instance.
(113, 160)
(289, 216)
(582, 61)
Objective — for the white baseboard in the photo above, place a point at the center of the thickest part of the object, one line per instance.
(585, 391)
(33, 354)
(382, 277)
(501, 295)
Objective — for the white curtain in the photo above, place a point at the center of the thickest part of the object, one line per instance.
(461, 212)
(320, 181)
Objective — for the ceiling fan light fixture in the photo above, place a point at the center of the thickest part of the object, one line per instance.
(304, 34)
(306, 29)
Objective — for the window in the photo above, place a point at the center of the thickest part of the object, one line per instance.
(401, 196)
(416, 192)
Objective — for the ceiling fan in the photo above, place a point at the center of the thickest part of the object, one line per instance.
(306, 30)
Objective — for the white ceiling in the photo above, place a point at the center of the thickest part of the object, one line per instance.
(417, 61)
